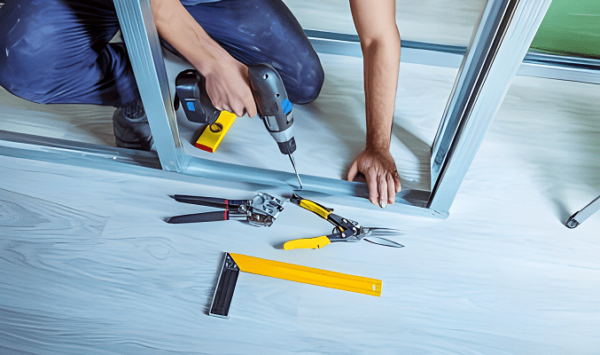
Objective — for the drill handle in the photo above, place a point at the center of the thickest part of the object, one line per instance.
(270, 96)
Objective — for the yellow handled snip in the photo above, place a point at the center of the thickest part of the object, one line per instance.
(345, 230)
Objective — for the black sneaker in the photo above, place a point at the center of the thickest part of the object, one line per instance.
(131, 127)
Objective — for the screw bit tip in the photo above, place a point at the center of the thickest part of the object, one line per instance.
(294, 166)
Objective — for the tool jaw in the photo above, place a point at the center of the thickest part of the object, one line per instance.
(263, 209)
(345, 230)
(259, 220)
(346, 236)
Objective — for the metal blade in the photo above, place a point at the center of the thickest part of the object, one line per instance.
(381, 231)
(383, 241)
(294, 166)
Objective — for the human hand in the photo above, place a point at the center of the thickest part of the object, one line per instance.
(227, 82)
(379, 168)
(228, 88)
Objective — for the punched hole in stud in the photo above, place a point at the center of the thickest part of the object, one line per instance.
(266, 76)
(374, 287)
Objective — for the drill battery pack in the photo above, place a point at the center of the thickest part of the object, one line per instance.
(192, 97)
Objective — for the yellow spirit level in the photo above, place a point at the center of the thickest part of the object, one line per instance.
(214, 133)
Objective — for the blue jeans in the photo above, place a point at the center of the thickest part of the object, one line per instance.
(57, 51)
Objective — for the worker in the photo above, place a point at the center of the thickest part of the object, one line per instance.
(60, 51)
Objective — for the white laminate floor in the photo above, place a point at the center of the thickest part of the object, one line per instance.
(88, 266)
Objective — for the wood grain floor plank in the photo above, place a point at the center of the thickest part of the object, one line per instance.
(494, 278)
(87, 265)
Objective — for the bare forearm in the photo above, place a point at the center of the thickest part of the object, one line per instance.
(380, 41)
(178, 27)
(381, 65)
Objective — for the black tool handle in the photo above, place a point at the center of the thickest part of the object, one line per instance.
(225, 287)
(200, 217)
(206, 201)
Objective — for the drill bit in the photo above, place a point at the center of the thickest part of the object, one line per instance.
(294, 166)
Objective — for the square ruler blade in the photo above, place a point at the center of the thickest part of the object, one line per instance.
(234, 263)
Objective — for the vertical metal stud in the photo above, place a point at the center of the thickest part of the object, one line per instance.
(501, 40)
(145, 54)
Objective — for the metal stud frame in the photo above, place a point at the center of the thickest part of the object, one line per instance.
(495, 54)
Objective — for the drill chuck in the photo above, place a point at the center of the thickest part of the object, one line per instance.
(287, 147)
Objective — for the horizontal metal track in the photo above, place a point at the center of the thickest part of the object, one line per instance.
(551, 66)
(328, 191)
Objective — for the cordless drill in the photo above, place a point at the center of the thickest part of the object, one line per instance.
(274, 107)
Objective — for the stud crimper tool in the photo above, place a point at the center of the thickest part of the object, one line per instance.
(260, 211)
(345, 230)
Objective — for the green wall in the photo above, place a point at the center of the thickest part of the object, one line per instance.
(570, 27)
